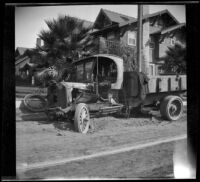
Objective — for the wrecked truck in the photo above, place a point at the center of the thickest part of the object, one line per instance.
(100, 86)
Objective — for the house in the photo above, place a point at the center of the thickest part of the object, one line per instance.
(20, 52)
(24, 66)
(21, 60)
(160, 30)
(20, 64)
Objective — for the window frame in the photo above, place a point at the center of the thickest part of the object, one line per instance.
(85, 80)
(110, 35)
(128, 38)
(153, 43)
(152, 70)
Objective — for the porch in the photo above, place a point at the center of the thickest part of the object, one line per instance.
(115, 47)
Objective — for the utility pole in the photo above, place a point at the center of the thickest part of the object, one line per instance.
(139, 38)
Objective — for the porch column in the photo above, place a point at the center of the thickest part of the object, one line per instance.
(145, 42)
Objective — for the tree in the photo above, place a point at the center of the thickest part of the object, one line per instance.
(66, 38)
(175, 60)
(37, 57)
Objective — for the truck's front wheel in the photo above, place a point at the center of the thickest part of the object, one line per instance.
(171, 108)
(82, 118)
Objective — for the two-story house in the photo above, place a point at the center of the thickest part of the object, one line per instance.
(160, 30)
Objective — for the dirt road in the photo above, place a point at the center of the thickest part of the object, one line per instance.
(150, 162)
(39, 141)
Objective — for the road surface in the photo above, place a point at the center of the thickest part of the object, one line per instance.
(39, 141)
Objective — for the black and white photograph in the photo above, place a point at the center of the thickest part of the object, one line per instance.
(101, 92)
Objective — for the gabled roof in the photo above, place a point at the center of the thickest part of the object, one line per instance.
(124, 20)
(159, 13)
(117, 17)
(168, 29)
(26, 58)
(22, 50)
(113, 17)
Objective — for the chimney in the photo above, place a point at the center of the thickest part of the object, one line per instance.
(38, 42)
(145, 42)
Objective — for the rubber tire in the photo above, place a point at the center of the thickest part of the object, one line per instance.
(28, 96)
(78, 110)
(164, 107)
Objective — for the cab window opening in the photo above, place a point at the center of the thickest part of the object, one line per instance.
(107, 70)
(84, 71)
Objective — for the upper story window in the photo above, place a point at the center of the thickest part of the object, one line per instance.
(110, 35)
(105, 23)
(160, 22)
(131, 38)
(151, 43)
(151, 69)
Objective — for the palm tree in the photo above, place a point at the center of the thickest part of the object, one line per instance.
(36, 56)
(64, 41)
(65, 37)
(175, 60)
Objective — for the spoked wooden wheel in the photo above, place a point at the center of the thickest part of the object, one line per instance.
(171, 108)
(82, 118)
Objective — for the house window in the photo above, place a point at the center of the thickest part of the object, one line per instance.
(110, 36)
(131, 38)
(131, 41)
(151, 70)
(151, 45)
(173, 41)
(160, 70)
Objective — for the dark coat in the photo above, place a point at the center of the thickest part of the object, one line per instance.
(136, 84)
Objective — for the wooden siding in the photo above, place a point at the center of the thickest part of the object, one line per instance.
(165, 83)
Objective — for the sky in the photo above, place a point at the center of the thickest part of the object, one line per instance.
(29, 21)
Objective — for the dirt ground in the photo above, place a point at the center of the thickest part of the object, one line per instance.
(38, 140)
(157, 163)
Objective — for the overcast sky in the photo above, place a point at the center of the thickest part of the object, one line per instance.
(29, 21)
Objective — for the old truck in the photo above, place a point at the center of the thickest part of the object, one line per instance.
(99, 85)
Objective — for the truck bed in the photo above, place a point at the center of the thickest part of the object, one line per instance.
(165, 83)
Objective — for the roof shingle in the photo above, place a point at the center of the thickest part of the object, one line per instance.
(117, 17)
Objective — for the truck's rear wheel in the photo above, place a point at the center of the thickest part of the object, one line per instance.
(82, 118)
(171, 108)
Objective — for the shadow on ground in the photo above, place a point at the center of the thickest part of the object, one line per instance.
(136, 119)
(24, 115)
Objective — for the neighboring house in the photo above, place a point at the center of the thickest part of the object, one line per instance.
(24, 66)
(19, 52)
(160, 30)
(20, 61)
(20, 64)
